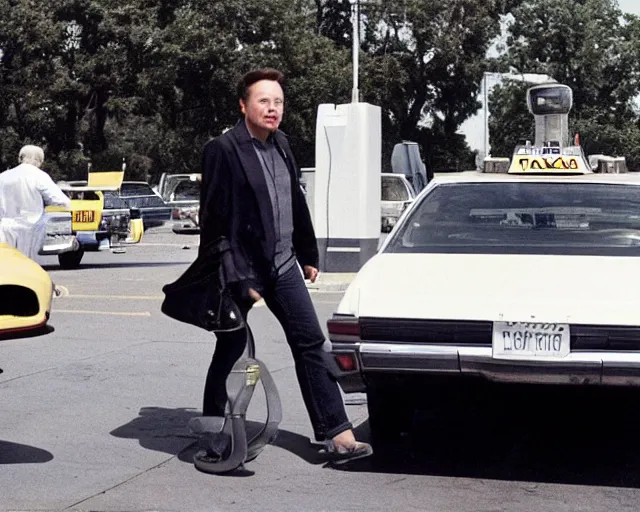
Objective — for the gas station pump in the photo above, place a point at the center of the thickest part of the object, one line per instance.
(347, 186)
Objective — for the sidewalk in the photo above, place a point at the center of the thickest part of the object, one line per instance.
(332, 281)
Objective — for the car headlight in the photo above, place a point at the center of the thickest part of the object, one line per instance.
(188, 212)
(59, 224)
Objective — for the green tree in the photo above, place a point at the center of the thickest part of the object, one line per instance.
(436, 50)
(510, 121)
(588, 45)
(151, 82)
(66, 71)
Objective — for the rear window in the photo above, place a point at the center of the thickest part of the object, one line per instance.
(523, 218)
(186, 190)
(393, 189)
(113, 202)
(136, 189)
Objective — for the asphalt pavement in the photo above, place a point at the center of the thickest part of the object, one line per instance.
(94, 418)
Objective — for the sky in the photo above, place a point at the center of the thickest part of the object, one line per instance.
(631, 6)
(473, 128)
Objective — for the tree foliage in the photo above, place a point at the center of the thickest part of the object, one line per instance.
(435, 54)
(150, 82)
(588, 45)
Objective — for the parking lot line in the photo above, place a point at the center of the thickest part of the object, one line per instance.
(258, 304)
(153, 244)
(116, 297)
(105, 313)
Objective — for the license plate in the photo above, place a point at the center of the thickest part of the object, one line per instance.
(84, 216)
(530, 340)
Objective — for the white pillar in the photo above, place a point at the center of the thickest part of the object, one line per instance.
(347, 185)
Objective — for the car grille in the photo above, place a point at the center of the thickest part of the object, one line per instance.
(479, 333)
(426, 331)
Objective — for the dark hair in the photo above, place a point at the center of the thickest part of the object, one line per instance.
(255, 76)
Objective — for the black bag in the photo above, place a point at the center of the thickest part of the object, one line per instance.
(200, 296)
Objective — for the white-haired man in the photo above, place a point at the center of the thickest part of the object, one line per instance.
(25, 190)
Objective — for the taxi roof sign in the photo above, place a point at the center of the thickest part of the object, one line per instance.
(548, 164)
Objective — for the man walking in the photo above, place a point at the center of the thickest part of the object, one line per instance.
(24, 192)
(251, 195)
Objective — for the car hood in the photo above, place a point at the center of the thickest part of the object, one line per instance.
(575, 289)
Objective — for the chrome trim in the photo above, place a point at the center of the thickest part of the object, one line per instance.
(59, 244)
(608, 368)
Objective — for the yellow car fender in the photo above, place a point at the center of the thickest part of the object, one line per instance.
(26, 292)
(136, 230)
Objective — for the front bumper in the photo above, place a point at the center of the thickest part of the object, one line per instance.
(584, 367)
(155, 216)
(59, 244)
(185, 226)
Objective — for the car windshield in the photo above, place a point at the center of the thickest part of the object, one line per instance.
(523, 218)
(136, 189)
(393, 189)
(186, 190)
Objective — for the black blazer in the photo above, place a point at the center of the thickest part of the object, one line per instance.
(235, 203)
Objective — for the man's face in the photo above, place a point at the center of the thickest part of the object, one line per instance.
(263, 107)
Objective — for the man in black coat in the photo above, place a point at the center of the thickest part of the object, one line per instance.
(251, 195)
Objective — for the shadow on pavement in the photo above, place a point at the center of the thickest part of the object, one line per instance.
(160, 429)
(166, 430)
(578, 435)
(14, 453)
(33, 333)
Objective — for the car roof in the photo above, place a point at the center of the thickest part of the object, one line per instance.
(629, 178)
(393, 175)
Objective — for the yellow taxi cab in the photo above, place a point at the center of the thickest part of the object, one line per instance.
(527, 272)
(98, 220)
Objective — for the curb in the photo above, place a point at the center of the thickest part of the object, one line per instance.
(332, 287)
(331, 281)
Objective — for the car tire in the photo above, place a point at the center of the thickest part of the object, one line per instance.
(70, 260)
(390, 415)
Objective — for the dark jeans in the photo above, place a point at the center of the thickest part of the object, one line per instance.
(288, 299)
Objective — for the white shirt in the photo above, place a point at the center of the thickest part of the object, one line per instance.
(24, 192)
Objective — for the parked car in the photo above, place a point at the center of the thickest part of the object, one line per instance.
(182, 193)
(26, 291)
(153, 209)
(98, 220)
(397, 194)
(516, 278)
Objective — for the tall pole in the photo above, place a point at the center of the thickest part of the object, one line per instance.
(486, 116)
(355, 18)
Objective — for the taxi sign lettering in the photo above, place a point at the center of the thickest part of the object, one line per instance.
(84, 216)
(548, 163)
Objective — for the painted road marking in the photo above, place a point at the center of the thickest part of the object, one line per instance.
(106, 313)
(258, 304)
(153, 244)
(60, 291)
(116, 297)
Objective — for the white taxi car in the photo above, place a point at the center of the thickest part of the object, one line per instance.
(528, 278)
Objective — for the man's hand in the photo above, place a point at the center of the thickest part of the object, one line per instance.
(255, 296)
(310, 273)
